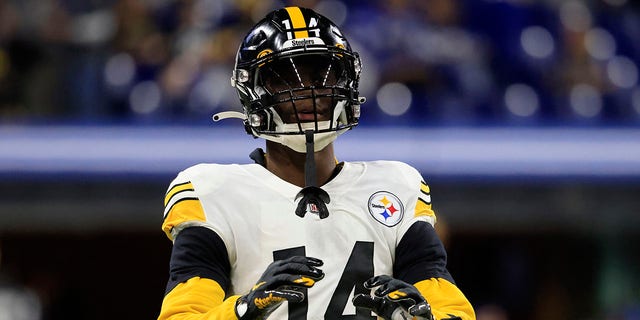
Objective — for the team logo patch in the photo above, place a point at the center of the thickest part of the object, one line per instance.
(386, 208)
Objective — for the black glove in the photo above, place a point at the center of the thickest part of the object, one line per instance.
(393, 300)
(279, 282)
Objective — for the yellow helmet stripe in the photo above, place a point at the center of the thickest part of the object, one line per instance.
(297, 22)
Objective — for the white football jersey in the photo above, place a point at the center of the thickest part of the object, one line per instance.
(371, 207)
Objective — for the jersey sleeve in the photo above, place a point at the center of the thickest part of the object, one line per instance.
(199, 268)
(418, 199)
(423, 204)
(421, 258)
(198, 278)
(182, 206)
(198, 298)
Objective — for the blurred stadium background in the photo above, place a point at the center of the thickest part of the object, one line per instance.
(524, 117)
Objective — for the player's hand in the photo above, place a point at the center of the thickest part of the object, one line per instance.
(280, 281)
(394, 300)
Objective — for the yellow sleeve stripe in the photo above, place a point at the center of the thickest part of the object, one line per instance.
(168, 209)
(188, 209)
(196, 297)
(446, 299)
(423, 209)
(297, 22)
(187, 186)
(424, 188)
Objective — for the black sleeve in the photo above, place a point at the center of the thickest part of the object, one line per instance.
(198, 252)
(420, 255)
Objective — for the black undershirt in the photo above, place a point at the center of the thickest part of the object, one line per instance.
(258, 156)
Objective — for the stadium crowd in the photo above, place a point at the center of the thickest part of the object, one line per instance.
(427, 62)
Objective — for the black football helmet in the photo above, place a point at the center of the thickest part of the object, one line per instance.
(298, 60)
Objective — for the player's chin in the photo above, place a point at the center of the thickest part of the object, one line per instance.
(310, 117)
(304, 113)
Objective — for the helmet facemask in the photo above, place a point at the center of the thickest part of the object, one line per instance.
(300, 90)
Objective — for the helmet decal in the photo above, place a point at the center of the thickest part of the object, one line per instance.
(296, 22)
(264, 53)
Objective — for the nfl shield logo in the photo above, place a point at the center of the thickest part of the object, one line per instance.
(312, 208)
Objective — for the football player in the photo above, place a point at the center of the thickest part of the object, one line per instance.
(298, 234)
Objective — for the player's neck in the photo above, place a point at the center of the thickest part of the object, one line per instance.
(289, 165)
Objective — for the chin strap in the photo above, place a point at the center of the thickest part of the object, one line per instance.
(314, 199)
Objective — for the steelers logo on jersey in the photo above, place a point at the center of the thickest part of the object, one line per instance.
(386, 208)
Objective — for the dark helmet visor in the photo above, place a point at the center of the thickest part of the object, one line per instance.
(303, 71)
